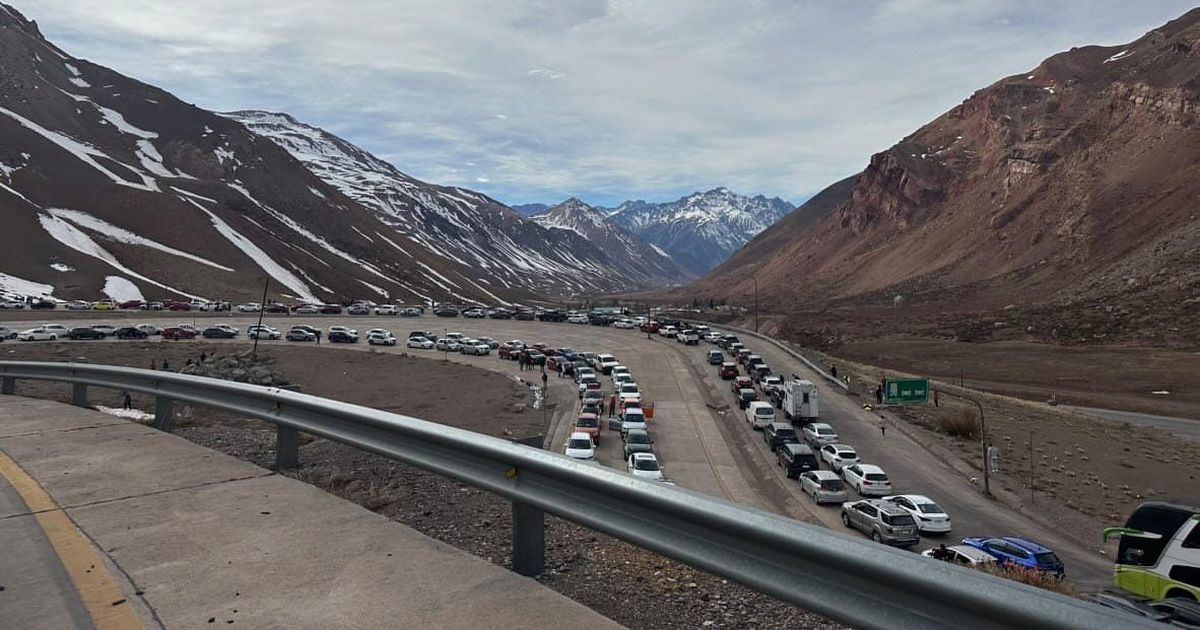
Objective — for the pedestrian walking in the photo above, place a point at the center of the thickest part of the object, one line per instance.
(128, 402)
(935, 397)
(612, 405)
(882, 429)
(833, 371)
(993, 456)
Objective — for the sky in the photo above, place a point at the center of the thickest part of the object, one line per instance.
(607, 100)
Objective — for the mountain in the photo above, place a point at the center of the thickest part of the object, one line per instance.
(702, 229)
(1064, 196)
(111, 186)
(630, 256)
(530, 209)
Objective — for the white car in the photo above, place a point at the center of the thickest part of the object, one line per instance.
(249, 307)
(621, 379)
(668, 331)
(819, 433)
(644, 465)
(377, 339)
(150, 329)
(420, 343)
(632, 418)
(78, 305)
(577, 319)
(838, 455)
(629, 391)
(867, 480)
(477, 348)
(446, 344)
(617, 370)
(606, 362)
(342, 329)
(37, 334)
(307, 309)
(623, 323)
(14, 304)
(712, 337)
(7, 333)
(57, 329)
(964, 555)
(930, 517)
(262, 332)
(474, 313)
(580, 446)
(386, 309)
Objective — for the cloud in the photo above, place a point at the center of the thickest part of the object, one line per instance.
(606, 99)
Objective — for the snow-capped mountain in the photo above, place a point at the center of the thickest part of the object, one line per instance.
(484, 238)
(629, 254)
(702, 229)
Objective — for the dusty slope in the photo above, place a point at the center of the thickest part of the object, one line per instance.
(1068, 192)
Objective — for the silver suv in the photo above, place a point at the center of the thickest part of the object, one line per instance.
(884, 522)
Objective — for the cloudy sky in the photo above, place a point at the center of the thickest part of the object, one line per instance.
(535, 100)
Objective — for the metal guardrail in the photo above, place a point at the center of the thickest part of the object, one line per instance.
(845, 578)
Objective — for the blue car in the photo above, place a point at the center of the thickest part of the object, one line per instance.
(1020, 552)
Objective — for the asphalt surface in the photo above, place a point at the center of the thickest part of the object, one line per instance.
(1182, 427)
(701, 437)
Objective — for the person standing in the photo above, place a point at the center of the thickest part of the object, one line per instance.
(935, 398)
(612, 405)
(993, 456)
(882, 429)
(128, 402)
(878, 395)
(833, 371)
(165, 366)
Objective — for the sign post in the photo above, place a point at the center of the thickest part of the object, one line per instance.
(906, 391)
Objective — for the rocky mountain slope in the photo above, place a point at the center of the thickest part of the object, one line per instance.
(1063, 197)
(530, 209)
(111, 186)
(702, 229)
(629, 255)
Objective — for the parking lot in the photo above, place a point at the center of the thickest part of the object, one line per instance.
(700, 435)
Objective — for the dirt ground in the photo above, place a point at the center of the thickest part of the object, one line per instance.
(633, 587)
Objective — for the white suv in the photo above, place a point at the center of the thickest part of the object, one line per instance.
(580, 446)
(759, 414)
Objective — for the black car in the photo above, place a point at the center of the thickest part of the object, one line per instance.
(129, 332)
(341, 336)
(84, 332)
(552, 315)
(501, 313)
(216, 332)
(524, 316)
(314, 331)
(445, 311)
(776, 434)
(44, 304)
(745, 397)
(796, 459)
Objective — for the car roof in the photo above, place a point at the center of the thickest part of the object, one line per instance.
(973, 553)
(885, 506)
(869, 468)
(580, 435)
(636, 431)
(916, 498)
(645, 456)
(763, 403)
(1031, 546)
(799, 449)
(824, 474)
(780, 425)
(820, 425)
(841, 447)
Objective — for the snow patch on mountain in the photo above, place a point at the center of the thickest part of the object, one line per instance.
(121, 289)
(15, 287)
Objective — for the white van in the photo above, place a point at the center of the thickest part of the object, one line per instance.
(760, 414)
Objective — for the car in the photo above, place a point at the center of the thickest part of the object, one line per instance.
(728, 371)
(760, 414)
(412, 311)
(964, 555)
(130, 332)
(882, 521)
(446, 311)
(491, 343)
(645, 466)
(525, 315)
(621, 379)
(474, 347)
(219, 332)
(446, 344)
(330, 309)
(712, 337)
(867, 479)
(715, 357)
(85, 332)
(420, 343)
(104, 305)
(7, 333)
(154, 306)
(501, 313)
(578, 318)
(795, 459)
(379, 339)
(632, 418)
(301, 334)
(584, 372)
(629, 391)
(343, 329)
(591, 405)
(276, 307)
(1019, 552)
(624, 324)
(930, 518)
(105, 329)
(776, 434)
(838, 455)
(746, 396)
(37, 334)
(588, 382)
(343, 336)
(817, 434)
(668, 331)
(606, 362)
(307, 309)
(474, 313)
(620, 370)
(580, 446)
(178, 332)
(533, 357)
(179, 306)
(637, 441)
(386, 309)
(770, 384)
(262, 332)
(43, 304)
(589, 423)
(740, 382)
(359, 309)
(823, 486)
(11, 304)
(77, 305)
(249, 307)
(150, 329)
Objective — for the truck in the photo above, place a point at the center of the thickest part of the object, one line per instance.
(798, 400)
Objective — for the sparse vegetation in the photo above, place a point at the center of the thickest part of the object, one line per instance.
(1040, 579)
(961, 423)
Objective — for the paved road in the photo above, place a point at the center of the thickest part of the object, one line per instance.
(1182, 427)
(701, 438)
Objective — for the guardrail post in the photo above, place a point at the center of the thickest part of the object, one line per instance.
(8, 386)
(529, 539)
(79, 394)
(164, 414)
(287, 447)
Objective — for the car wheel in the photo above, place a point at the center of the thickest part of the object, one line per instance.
(845, 519)
(875, 536)
(53, 337)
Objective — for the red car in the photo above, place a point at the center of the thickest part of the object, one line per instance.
(176, 332)
(179, 306)
(276, 308)
(589, 423)
(132, 304)
(728, 370)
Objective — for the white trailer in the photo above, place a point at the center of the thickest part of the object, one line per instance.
(800, 401)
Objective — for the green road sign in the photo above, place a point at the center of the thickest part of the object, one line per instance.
(906, 391)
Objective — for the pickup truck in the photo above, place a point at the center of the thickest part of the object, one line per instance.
(689, 337)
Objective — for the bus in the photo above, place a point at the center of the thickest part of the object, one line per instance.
(1159, 552)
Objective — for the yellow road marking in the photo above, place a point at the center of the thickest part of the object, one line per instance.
(97, 588)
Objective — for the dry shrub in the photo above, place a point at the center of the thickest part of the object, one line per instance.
(1040, 579)
(961, 424)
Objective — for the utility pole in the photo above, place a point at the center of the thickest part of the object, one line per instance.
(987, 489)
(1031, 468)
(262, 306)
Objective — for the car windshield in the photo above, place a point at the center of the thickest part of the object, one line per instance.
(629, 388)
(587, 422)
(634, 417)
(583, 443)
(645, 463)
(876, 477)
(786, 432)
(765, 411)
(1047, 558)
(637, 438)
(832, 485)
(930, 508)
(847, 454)
(825, 431)
(898, 519)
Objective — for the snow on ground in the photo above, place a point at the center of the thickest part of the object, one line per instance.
(316, 192)
(115, 119)
(23, 287)
(121, 235)
(128, 414)
(121, 289)
(360, 233)
(84, 152)
(14, 192)
(658, 249)
(1118, 56)
(374, 288)
(66, 233)
(193, 195)
(260, 258)
(61, 267)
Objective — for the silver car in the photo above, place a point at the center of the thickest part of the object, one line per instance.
(824, 486)
(884, 522)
